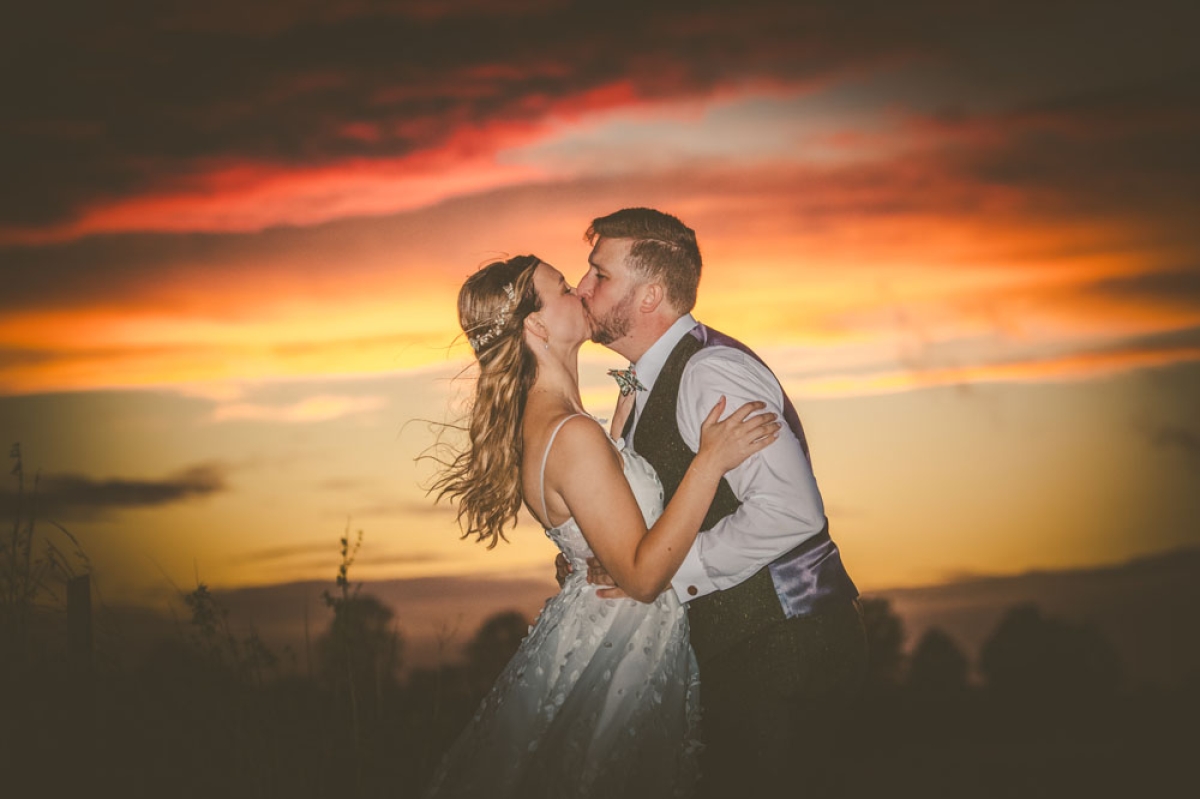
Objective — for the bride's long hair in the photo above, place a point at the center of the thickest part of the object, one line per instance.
(485, 477)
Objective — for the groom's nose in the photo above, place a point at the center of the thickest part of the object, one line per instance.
(584, 289)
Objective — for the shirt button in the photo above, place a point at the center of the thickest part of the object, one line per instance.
(693, 590)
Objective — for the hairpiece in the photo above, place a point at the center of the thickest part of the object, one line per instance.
(498, 323)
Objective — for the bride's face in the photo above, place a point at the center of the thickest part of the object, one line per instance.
(561, 312)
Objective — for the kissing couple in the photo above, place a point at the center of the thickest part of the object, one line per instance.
(700, 586)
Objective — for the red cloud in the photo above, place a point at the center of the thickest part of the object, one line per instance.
(246, 195)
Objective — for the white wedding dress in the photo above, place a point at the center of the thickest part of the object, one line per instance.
(601, 698)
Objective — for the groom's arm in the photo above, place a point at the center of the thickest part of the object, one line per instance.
(781, 505)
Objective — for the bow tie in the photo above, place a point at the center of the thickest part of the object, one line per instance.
(627, 381)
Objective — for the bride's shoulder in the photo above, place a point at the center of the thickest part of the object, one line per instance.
(580, 435)
(578, 427)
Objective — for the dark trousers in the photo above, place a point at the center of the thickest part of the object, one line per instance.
(777, 706)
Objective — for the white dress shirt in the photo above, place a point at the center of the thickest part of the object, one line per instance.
(781, 505)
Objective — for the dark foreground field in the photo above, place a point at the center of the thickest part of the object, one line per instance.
(1046, 711)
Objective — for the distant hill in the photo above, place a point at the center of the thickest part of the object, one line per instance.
(436, 615)
(1149, 609)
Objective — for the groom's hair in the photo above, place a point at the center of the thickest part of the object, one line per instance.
(664, 249)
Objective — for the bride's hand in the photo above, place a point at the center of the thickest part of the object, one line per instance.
(726, 443)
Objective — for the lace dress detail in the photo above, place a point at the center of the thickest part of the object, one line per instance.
(601, 698)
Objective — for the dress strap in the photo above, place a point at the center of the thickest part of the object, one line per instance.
(546, 457)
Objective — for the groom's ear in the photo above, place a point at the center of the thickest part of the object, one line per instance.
(653, 295)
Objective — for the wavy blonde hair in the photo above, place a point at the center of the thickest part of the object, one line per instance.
(485, 478)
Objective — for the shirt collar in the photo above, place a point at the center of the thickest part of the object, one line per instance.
(654, 359)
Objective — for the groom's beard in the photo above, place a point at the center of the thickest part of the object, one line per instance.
(615, 324)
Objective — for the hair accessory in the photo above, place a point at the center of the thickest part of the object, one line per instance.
(500, 320)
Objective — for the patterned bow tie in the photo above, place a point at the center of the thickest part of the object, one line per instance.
(627, 381)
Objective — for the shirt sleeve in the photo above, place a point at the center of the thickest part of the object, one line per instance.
(781, 505)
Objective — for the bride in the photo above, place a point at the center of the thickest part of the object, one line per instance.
(601, 698)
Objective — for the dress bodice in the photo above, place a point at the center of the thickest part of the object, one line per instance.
(647, 490)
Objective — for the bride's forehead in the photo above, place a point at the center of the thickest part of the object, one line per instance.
(547, 272)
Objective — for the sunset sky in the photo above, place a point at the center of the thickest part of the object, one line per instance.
(232, 234)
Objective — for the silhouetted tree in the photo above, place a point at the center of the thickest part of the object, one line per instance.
(937, 665)
(1045, 657)
(362, 646)
(493, 646)
(885, 642)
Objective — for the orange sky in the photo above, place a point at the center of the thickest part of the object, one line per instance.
(230, 280)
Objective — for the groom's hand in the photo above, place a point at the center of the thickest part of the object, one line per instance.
(562, 567)
(598, 575)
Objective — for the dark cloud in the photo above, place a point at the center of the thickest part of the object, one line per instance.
(175, 271)
(273, 16)
(138, 94)
(77, 273)
(1147, 171)
(289, 552)
(1179, 438)
(1169, 341)
(1080, 110)
(129, 269)
(317, 557)
(15, 358)
(1181, 287)
(69, 496)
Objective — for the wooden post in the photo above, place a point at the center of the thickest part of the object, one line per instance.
(79, 619)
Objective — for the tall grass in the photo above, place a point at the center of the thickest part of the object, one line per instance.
(34, 569)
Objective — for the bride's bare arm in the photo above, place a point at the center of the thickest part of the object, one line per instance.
(586, 472)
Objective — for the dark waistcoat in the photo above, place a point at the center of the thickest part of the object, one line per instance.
(800, 582)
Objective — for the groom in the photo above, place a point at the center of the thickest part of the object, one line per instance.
(774, 617)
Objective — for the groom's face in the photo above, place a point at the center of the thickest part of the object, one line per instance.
(608, 290)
